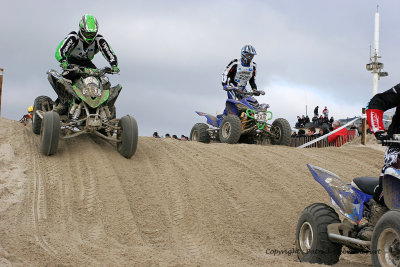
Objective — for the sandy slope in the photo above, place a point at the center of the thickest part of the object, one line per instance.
(173, 203)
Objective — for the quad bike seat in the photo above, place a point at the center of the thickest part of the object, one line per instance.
(366, 184)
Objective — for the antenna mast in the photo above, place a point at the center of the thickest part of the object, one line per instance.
(374, 65)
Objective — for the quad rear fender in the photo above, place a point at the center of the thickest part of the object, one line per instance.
(391, 188)
(212, 120)
(346, 199)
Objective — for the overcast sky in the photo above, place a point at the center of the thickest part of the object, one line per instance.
(172, 54)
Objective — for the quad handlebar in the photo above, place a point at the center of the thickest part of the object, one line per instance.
(88, 71)
(242, 92)
(394, 140)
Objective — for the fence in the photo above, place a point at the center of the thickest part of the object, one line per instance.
(298, 141)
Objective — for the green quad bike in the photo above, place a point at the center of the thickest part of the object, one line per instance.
(90, 110)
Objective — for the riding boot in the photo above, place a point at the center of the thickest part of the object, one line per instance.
(376, 210)
(60, 108)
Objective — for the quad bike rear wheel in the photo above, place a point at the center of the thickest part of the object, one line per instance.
(312, 242)
(39, 104)
(50, 133)
(128, 135)
(282, 132)
(199, 133)
(385, 243)
(230, 129)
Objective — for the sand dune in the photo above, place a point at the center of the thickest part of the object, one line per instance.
(172, 203)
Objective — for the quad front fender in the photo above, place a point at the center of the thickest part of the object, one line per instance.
(114, 93)
(231, 107)
(92, 102)
(212, 120)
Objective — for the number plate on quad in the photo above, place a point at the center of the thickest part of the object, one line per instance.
(261, 116)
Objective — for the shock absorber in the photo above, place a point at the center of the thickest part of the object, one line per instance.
(73, 108)
(243, 118)
(76, 112)
(104, 117)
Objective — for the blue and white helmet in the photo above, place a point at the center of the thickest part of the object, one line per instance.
(248, 53)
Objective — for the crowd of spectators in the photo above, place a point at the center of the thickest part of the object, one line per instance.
(336, 139)
(311, 132)
(316, 121)
(174, 136)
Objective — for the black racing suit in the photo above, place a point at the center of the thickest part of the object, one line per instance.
(76, 51)
(375, 109)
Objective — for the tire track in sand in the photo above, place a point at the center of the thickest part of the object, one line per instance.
(104, 194)
(196, 238)
(39, 195)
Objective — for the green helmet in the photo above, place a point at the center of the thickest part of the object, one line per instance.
(88, 28)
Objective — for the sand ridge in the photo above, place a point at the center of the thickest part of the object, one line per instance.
(173, 203)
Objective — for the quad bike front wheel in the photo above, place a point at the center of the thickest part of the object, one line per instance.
(199, 133)
(312, 242)
(385, 243)
(281, 132)
(230, 129)
(128, 136)
(50, 133)
(39, 104)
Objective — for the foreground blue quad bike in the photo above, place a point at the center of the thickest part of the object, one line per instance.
(244, 120)
(320, 233)
(90, 109)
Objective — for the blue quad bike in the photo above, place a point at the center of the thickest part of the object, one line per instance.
(321, 234)
(244, 120)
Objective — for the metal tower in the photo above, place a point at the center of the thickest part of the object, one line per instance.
(374, 65)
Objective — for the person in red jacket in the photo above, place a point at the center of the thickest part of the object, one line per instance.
(340, 137)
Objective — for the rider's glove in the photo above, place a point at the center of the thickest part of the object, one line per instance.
(262, 92)
(64, 64)
(381, 136)
(115, 69)
(230, 87)
(256, 93)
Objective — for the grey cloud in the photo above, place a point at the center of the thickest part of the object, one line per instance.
(172, 53)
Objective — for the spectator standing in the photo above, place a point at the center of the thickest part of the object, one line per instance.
(307, 120)
(155, 135)
(320, 120)
(315, 120)
(339, 138)
(299, 123)
(316, 111)
(325, 112)
(331, 121)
